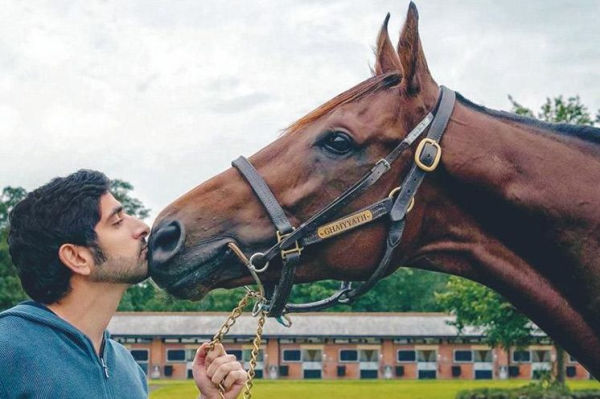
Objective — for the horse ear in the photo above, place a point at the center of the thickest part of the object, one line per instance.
(386, 58)
(411, 53)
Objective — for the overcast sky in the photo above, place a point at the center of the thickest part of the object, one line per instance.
(164, 94)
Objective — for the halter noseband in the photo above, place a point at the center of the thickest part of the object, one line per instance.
(291, 241)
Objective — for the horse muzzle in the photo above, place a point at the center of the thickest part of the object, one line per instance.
(190, 272)
(165, 242)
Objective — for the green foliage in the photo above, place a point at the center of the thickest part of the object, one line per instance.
(544, 389)
(11, 292)
(476, 305)
(558, 109)
(8, 199)
(121, 190)
(520, 109)
(406, 290)
(147, 297)
(10, 285)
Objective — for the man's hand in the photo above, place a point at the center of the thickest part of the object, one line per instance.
(216, 367)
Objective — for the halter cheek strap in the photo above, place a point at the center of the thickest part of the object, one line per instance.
(278, 294)
(290, 241)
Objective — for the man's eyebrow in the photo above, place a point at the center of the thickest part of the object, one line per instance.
(116, 209)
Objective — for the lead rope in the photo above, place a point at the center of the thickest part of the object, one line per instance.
(237, 312)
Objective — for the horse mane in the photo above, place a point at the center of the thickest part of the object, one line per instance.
(369, 86)
(583, 132)
(388, 80)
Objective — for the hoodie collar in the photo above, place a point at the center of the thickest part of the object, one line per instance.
(39, 313)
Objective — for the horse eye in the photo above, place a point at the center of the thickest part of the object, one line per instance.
(338, 143)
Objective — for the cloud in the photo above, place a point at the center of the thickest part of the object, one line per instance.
(240, 104)
(164, 95)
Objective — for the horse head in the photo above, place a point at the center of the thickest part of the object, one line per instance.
(493, 176)
(306, 168)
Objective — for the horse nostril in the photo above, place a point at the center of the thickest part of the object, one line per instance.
(167, 237)
(166, 241)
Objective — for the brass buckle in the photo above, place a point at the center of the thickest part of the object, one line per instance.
(395, 191)
(285, 252)
(438, 155)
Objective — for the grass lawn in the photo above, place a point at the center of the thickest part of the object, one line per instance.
(356, 389)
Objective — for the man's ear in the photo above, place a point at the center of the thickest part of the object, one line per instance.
(77, 258)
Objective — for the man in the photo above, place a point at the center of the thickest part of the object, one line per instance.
(76, 252)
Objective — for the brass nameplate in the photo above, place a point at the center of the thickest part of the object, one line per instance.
(347, 223)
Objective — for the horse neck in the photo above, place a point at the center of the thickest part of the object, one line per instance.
(517, 207)
(532, 174)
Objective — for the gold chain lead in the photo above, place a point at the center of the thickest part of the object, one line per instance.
(224, 330)
(254, 354)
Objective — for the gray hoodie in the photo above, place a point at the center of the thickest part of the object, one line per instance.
(43, 356)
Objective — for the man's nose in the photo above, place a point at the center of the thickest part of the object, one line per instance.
(165, 242)
(141, 229)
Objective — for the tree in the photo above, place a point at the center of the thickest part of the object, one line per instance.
(405, 290)
(476, 305)
(8, 199)
(10, 285)
(121, 190)
(558, 110)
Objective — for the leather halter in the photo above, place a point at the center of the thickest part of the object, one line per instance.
(291, 241)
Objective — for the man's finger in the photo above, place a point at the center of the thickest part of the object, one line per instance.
(215, 353)
(200, 357)
(235, 377)
(210, 370)
(223, 370)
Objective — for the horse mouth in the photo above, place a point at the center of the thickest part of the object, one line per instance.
(197, 270)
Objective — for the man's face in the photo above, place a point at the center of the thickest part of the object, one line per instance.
(122, 239)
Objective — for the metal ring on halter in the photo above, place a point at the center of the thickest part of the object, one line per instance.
(345, 288)
(344, 298)
(261, 289)
(287, 323)
(238, 252)
(253, 267)
(258, 308)
(396, 191)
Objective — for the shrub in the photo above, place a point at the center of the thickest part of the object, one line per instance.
(537, 390)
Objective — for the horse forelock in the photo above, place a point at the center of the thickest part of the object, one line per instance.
(363, 89)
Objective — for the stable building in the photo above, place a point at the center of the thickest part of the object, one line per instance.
(335, 346)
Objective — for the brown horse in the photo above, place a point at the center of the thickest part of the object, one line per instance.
(514, 204)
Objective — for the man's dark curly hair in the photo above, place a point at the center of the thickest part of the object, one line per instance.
(66, 210)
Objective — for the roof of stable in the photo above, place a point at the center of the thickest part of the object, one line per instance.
(304, 325)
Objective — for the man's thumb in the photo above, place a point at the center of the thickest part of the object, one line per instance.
(201, 354)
